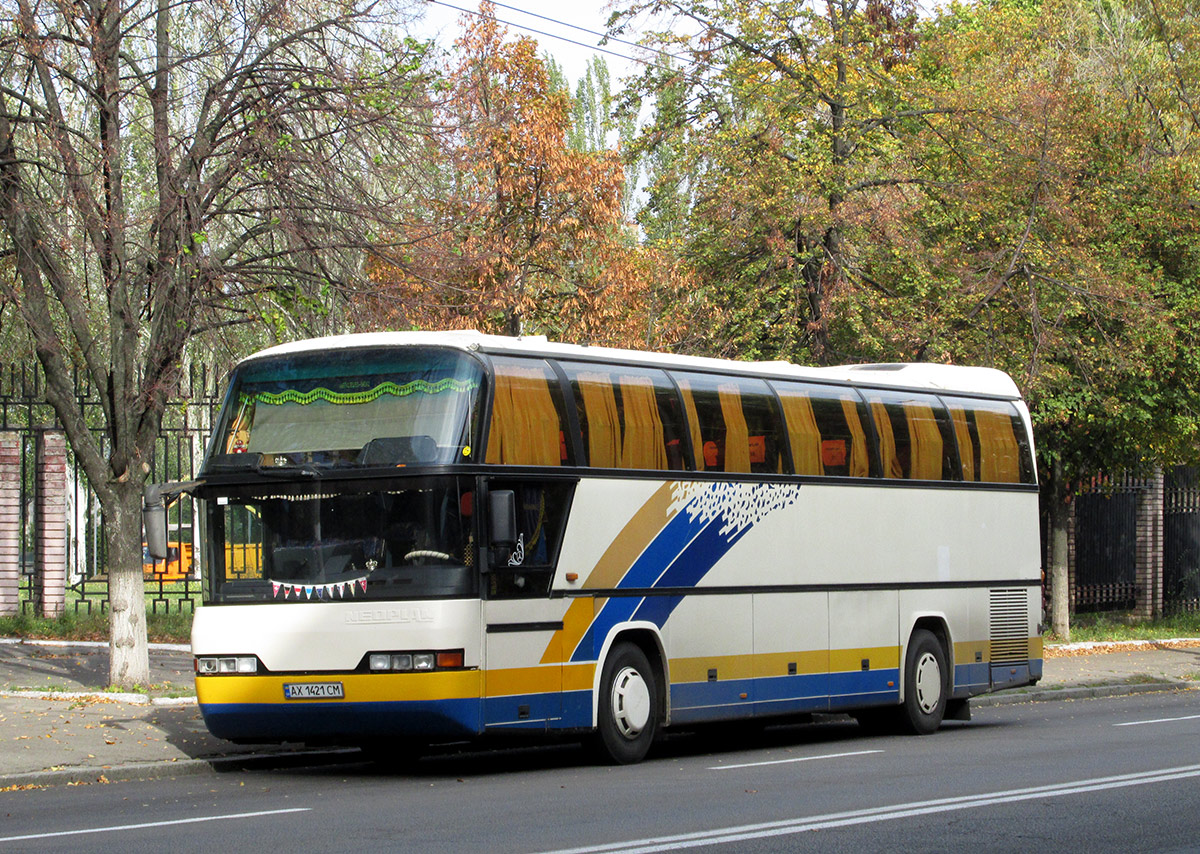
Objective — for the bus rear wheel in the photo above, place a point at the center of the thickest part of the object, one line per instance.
(926, 684)
(628, 713)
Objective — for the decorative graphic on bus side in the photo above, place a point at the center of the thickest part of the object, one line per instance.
(703, 521)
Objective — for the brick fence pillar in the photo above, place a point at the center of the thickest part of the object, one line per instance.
(50, 524)
(10, 523)
(1149, 572)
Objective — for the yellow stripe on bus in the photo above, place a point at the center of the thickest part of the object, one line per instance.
(357, 687)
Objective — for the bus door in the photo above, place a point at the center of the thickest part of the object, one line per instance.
(522, 682)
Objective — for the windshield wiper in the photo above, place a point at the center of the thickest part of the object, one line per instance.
(306, 469)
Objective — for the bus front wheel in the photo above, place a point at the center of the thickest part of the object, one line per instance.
(628, 708)
(926, 684)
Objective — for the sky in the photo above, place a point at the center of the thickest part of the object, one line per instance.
(571, 48)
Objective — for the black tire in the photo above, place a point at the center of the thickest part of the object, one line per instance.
(926, 684)
(628, 711)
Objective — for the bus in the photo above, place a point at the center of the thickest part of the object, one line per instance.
(412, 538)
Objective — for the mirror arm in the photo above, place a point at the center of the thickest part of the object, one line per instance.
(154, 512)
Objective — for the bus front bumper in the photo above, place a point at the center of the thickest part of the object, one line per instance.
(371, 706)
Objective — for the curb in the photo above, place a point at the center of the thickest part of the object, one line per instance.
(166, 769)
(102, 697)
(160, 647)
(1080, 692)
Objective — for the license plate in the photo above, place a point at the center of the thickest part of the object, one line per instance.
(313, 691)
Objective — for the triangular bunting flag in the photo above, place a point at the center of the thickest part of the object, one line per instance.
(275, 585)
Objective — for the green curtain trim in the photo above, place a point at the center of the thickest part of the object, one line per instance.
(346, 398)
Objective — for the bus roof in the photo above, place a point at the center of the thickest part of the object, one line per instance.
(917, 375)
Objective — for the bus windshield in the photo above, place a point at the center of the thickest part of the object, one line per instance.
(400, 539)
(349, 408)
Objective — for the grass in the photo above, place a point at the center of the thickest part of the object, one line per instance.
(161, 628)
(1114, 626)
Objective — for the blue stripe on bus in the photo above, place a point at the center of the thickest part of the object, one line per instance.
(569, 710)
(693, 563)
(304, 721)
(679, 556)
(661, 551)
(693, 702)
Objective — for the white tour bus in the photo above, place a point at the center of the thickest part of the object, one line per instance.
(421, 537)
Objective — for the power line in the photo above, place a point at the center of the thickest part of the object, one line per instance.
(604, 36)
(530, 29)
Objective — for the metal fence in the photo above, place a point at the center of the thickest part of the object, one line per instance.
(170, 585)
(1106, 547)
(1181, 539)
(1118, 522)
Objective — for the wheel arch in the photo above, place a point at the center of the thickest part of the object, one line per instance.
(646, 637)
(937, 625)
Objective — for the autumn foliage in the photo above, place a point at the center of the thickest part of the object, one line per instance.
(525, 234)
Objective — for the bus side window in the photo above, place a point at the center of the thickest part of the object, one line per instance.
(916, 440)
(992, 441)
(735, 423)
(630, 417)
(542, 510)
(528, 424)
(826, 429)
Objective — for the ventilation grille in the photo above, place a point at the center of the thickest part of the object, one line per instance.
(1010, 626)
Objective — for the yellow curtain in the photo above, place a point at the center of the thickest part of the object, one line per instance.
(860, 464)
(502, 421)
(966, 448)
(689, 404)
(926, 439)
(603, 423)
(737, 434)
(887, 441)
(645, 443)
(525, 425)
(803, 433)
(999, 454)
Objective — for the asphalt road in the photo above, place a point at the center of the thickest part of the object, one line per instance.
(1119, 774)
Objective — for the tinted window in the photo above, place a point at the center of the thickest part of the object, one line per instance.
(542, 510)
(826, 430)
(735, 424)
(914, 436)
(528, 426)
(350, 407)
(630, 417)
(992, 441)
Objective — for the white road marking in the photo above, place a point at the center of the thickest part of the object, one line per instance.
(147, 824)
(1159, 721)
(797, 759)
(788, 827)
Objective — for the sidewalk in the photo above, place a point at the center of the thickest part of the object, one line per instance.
(57, 727)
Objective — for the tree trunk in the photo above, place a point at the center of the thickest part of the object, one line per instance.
(129, 656)
(1059, 515)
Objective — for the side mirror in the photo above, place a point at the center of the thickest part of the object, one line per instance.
(502, 519)
(154, 513)
(154, 519)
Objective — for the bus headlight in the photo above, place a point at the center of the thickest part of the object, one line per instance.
(407, 662)
(225, 664)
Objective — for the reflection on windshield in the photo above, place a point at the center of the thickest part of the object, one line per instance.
(414, 542)
(360, 407)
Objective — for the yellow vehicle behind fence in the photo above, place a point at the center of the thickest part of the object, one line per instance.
(176, 567)
(241, 560)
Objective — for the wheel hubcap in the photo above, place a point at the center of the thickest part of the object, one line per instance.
(630, 702)
(928, 682)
